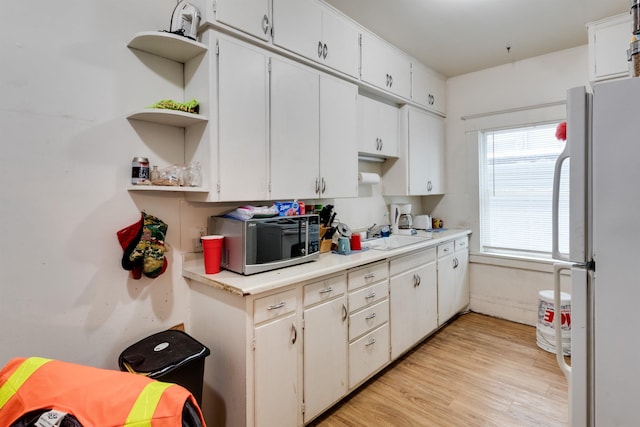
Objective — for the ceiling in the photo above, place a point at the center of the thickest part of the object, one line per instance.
(460, 36)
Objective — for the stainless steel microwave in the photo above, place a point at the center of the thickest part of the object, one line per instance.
(262, 244)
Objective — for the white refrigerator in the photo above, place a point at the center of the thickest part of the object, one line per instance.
(603, 145)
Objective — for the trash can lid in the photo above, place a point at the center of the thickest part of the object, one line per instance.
(161, 353)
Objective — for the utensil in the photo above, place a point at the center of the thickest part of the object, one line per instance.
(344, 230)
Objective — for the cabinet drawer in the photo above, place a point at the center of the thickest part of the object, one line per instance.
(273, 306)
(368, 275)
(411, 261)
(367, 319)
(369, 295)
(461, 243)
(445, 249)
(368, 354)
(325, 289)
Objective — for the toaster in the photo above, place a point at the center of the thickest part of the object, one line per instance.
(422, 222)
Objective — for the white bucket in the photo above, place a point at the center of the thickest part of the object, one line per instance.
(545, 335)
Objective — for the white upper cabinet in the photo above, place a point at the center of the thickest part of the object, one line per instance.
(295, 130)
(242, 99)
(378, 128)
(428, 88)
(420, 169)
(312, 30)
(249, 16)
(313, 134)
(385, 66)
(608, 43)
(338, 138)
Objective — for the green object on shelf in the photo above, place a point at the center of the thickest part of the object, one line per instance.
(188, 107)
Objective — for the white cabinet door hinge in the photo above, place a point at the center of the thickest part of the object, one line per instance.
(253, 344)
(215, 7)
(304, 408)
(218, 47)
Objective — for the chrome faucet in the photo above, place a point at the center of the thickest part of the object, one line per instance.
(373, 232)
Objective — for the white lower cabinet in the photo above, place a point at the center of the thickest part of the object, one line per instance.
(325, 344)
(368, 321)
(453, 278)
(413, 299)
(283, 357)
(276, 343)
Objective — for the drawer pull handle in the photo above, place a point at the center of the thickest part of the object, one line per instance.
(327, 290)
(371, 316)
(372, 341)
(345, 313)
(371, 295)
(369, 276)
(277, 306)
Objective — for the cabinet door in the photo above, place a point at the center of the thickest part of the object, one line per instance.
(297, 26)
(341, 39)
(325, 355)
(385, 66)
(388, 129)
(425, 153)
(295, 133)
(250, 16)
(428, 89)
(414, 307)
(446, 288)
(242, 99)
(608, 44)
(461, 279)
(276, 373)
(378, 128)
(338, 138)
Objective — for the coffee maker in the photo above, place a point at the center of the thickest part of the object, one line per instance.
(401, 219)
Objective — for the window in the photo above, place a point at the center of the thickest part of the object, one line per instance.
(516, 183)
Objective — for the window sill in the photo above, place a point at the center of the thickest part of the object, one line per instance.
(512, 261)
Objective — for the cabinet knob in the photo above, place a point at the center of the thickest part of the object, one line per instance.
(325, 50)
(320, 49)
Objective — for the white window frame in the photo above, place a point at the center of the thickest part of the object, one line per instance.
(475, 125)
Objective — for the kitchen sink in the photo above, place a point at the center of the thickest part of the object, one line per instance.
(392, 242)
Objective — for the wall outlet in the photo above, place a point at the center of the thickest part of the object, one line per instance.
(197, 243)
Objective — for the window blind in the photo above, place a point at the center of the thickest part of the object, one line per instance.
(516, 168)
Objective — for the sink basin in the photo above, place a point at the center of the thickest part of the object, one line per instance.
(392, 242)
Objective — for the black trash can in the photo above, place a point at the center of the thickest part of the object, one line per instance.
(170, 356)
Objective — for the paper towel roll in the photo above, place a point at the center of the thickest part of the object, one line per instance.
(368, 178)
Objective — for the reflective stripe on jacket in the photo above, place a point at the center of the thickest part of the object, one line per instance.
(96, 397)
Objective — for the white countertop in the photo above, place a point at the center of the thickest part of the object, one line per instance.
(193, 267)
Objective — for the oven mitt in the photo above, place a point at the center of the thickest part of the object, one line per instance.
(146, 250)
(129, 238)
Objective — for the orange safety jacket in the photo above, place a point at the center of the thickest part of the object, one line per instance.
(96, 397)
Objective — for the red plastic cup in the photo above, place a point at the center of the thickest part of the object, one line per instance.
(356, 245)
(212, 248)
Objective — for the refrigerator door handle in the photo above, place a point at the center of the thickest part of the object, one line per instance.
(557, 317)
(557, 172)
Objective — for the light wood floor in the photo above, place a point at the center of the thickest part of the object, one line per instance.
(476, 371)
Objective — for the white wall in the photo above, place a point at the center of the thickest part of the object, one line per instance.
(501, 291)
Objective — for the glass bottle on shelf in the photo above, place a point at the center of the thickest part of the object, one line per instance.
(155, 175)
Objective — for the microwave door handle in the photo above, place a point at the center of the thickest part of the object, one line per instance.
(557, 172)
